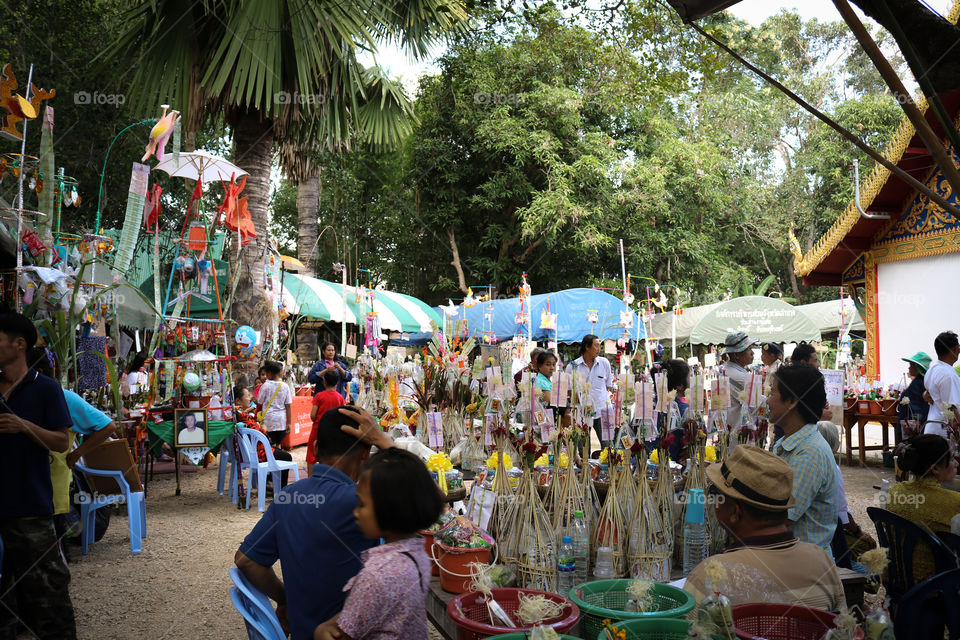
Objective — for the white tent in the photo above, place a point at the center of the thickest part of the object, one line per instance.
(825, 315)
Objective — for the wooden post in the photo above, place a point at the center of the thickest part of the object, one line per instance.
(900, 93)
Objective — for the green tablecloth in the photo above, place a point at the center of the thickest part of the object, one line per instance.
(162, 432)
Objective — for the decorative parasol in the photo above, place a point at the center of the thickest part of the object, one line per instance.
(200, 165)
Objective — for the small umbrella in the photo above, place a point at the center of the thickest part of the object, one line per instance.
(200, 165)
(289, 262)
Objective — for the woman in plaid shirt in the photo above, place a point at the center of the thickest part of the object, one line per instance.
(797, 399)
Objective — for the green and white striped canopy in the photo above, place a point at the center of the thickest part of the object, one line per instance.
(323, 300)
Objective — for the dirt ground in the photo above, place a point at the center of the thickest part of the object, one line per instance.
(178, 586)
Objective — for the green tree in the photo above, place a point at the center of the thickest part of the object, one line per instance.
(259, 62)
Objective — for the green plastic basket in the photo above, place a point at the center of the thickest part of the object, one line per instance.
(607, 599)
(653, 629)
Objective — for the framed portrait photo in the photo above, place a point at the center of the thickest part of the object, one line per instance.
(190, 427)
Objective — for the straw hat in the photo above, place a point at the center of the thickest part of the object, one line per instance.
(754, 476)
(737, 343)
(921, 359)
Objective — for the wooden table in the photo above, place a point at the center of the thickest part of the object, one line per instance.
(437, 600)
(860, 420)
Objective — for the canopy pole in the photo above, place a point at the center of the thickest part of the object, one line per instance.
(894, 169)
(343, 320)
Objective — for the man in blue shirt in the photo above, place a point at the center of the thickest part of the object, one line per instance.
(310, 527)
(34, 422)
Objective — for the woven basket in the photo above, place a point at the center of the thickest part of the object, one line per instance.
(607, 599)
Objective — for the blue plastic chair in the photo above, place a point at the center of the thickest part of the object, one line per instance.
(925, 610)
(136, 508)
(257, 611)
(249, 439)
(902, 537)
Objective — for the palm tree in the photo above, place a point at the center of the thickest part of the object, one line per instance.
(384, 118)
(263, 63)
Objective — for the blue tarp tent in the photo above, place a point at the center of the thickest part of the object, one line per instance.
(571, 307)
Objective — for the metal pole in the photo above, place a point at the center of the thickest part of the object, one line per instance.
(673, 333)
(343, 320)
(623, 267)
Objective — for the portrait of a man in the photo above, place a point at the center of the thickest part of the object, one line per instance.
(191, 427)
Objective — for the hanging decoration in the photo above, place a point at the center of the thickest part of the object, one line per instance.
(15, 107)
(136, 197)
(160, 133)
(236, 217)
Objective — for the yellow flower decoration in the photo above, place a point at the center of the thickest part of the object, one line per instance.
(492, 461)
(605, 457)
(710, 453)
(544, 461)
(439, 462)
(655, 457)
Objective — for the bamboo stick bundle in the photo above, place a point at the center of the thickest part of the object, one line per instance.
(626, 487)
(528, 540)
(649, 553)
(502, 491)
(696, 479)
(663, 495)
(611, 528)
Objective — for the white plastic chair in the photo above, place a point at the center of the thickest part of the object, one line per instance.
(226, 458)
(249, 438)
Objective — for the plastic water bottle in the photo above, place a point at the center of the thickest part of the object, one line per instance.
(566, 567)
(581, 546)
(604, 568)
(694, 532)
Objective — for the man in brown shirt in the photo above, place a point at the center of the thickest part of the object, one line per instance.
(764, 562)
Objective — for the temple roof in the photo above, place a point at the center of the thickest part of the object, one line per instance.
(881, 193)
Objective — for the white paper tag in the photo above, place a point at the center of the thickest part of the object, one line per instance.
(489, 424)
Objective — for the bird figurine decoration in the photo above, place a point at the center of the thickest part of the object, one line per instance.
(236, 216)
(14, 108)
(160, 133)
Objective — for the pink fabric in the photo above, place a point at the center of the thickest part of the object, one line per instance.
(386, 599)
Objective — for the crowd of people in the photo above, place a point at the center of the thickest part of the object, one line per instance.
(784, 509)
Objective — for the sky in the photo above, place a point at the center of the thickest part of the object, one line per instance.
(753, 11)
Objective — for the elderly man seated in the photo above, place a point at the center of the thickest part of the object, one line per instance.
(765, 562)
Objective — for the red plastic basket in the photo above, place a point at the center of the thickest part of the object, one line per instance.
(469, 612)
(768, 621)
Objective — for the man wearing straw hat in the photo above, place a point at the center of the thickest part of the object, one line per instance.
(738, 348)
(751, 493)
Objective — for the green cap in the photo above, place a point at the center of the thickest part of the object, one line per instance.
(921, 359)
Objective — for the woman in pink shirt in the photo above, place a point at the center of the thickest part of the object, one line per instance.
(386, 599)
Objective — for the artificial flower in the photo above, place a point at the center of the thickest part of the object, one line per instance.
(655, 456)
(492, 460)
(904, 400)
(710, 453)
